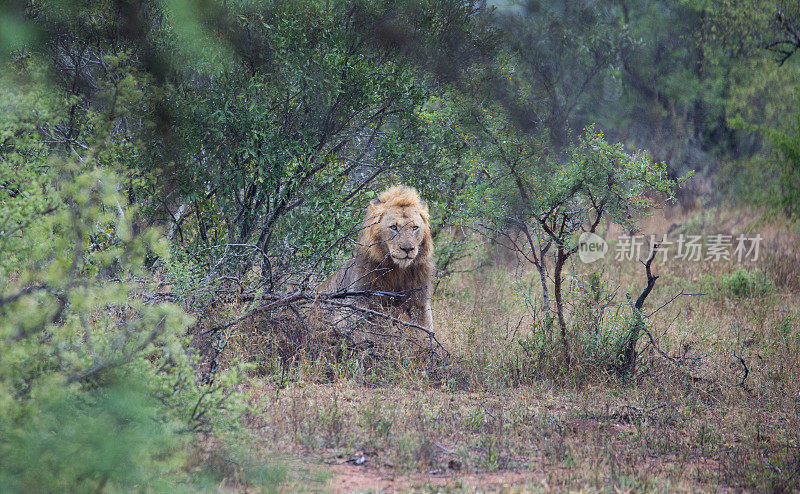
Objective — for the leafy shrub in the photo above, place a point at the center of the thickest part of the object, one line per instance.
(97, 390)
(69, 437)
(744, 283)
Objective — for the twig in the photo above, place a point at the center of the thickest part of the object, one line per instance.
(681, 294)
(446, 450)
(746, 370)
(408, 324)
(302, 295)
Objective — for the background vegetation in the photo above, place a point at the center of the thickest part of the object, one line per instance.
(177, 176)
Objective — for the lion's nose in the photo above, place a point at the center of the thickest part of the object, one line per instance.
(407, 250)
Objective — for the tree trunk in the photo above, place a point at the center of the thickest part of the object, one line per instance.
(629, 356)
(560, 259)
(628, 364)
(542, 268)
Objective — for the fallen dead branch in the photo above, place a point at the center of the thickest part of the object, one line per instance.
(325, 324)
(283, 300)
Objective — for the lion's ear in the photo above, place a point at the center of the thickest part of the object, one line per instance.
(375, 210)
(423, 212)
(423, 209)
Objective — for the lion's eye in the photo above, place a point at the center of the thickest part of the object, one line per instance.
(393, 227)
(415, 228)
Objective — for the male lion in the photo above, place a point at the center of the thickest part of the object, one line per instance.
(394, 254)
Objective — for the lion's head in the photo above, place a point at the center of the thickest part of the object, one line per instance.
(397, 227)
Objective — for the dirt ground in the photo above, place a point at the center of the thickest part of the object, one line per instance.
(353, 478)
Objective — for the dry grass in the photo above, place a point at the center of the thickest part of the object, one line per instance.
(507, 413)
(594, 437)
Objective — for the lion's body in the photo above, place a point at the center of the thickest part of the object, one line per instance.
(396, 223)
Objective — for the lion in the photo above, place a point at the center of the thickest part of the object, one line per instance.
(394, 253)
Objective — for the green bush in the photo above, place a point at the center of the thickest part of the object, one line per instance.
(97, 389)
(744, 283)
(73, 438)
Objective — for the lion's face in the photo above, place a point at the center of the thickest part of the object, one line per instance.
(404, 231)
(397, 228)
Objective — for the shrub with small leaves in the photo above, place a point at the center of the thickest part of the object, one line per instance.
(97, 389)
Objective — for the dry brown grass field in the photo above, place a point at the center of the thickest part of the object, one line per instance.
(714, 404)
